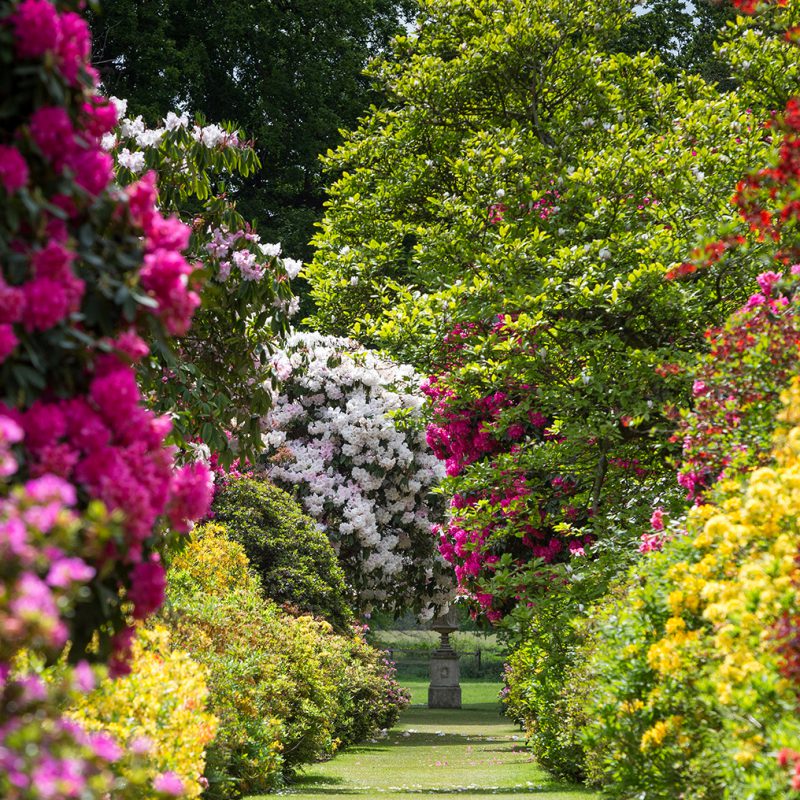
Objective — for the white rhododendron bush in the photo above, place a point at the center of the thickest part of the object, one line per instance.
(345, 434)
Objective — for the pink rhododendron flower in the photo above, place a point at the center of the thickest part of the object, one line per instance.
(66, 571)
(37, 28)
(13, 169)
(141, 745)
(192, 491)
(99, 116)
(754, 301)
(168, 233)
(8, 341)
(657, 520)
(83, 676)
(46, 304)
(93, 169)
(169, 783)
(12, 303)
(142, 200)
(165, 276)
(51, 129)
(104, 746)
(651, 542)
(131, 345)
(516, 431)
(576, 548)
(50, 488)
(74, 47)
(148, 584)
(767, 280)
(116, 394)
(121, 643)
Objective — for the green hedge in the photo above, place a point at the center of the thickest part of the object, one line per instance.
(293, 558)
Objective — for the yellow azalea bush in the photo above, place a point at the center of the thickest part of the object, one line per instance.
(288, 690)
(692, 698)
(211, 562)
(157, 713)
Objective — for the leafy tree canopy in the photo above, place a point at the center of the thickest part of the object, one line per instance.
(288, 71)
(514, 218)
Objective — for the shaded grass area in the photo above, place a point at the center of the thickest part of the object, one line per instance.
(468, 753)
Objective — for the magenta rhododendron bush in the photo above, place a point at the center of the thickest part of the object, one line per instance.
(90, 488)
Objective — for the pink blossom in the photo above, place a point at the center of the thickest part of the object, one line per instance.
(52, 261)
(10, 431)
(516, 431)
(13, 169)
(754, 301)
(74, 46)
(105, 747)
(651, 542)
(121, 643)
(141, 745)
(46, 304)
(168, 233)
(99, 116)
(130, 344)
(116, 394)
(34, 603)
(142, 200)
(191, 493)
(699, 389)
(43, 423)
(576, 548)
(169, 783)
(8, 341)
(164, 275)
(767, 280)
(93, 169)
(36, 28)
(83, 676)
(66, 571)
(12, 302)
(146, 591)
(51, 129)
(657, 520)
(50, 488)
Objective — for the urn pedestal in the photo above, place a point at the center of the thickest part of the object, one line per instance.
(444, 690)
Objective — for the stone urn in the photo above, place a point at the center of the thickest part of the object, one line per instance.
(444, 690)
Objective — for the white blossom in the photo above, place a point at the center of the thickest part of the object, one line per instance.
(172, 122)
(132, 161)
(331, 438)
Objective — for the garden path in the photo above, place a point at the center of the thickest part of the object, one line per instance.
(469, 754)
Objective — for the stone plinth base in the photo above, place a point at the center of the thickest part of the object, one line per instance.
(444, 697)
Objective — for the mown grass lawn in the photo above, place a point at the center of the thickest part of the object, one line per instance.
(471, 753)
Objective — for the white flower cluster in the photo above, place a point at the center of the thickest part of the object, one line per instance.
(345, 434)
(253, 260)
(144, 137)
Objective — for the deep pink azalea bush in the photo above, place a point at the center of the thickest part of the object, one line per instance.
(89, 487)
(737, 385)
(506, 518)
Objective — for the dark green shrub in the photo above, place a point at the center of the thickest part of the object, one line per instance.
(292, 557)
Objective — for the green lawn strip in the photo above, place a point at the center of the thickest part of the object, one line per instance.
(469, 753)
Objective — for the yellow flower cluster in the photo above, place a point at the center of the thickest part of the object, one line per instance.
(159, 707)
(215, 564)
(653, 737)
(730, 591)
